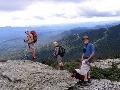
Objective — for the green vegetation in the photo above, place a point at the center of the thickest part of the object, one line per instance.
(3, 60)
(112, 73)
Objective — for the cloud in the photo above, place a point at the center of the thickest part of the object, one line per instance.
(38, 17)
(94, 13)
(39, 12)
(14, 5)
(74, 1)
(16, 18)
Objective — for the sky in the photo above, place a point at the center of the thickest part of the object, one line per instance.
(44, 12)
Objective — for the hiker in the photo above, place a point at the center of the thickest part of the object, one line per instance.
(58, 55)
(30, 41)
(88, 53)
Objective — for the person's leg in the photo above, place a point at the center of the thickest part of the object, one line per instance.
(89, 78)
(58, 59)
(85, 79)
(88, 74)
(33, 54)
(84, 83)
(60, 63)
(32, 50)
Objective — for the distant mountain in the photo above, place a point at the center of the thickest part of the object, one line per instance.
(76, 31)
(83, 27)
(106, 42)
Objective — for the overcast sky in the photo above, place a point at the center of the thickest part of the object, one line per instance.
(41, 12)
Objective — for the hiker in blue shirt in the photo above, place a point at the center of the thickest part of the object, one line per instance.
(88, 53)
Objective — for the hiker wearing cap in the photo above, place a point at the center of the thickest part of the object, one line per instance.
(57, 55)
(30, 42)
(88, 53)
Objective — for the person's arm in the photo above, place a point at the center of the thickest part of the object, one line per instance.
(93, 53)
(56, 52)
(26, 39)
(82, 56)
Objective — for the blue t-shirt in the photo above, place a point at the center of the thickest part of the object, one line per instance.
(89, 49)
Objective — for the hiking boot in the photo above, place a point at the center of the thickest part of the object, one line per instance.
(84, 83)
(61, 67)
(34, 59)
(89, 80)
(80, 82)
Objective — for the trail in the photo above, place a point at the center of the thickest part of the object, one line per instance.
(78, 37)
(101, 38)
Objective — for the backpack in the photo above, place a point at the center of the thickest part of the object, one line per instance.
(61, 51)
(34, 36)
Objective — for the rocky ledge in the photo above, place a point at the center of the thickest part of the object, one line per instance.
(106, 63)
(102, 84)
(28, 75)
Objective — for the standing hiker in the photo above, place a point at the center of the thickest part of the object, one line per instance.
(59, 53)
(30, 41)
(88, 53)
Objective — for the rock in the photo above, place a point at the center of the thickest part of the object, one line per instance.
(28, 75)
(102, 84)
(106, 63)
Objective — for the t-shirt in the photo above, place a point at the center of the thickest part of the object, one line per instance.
(89, 49)
(56, 49)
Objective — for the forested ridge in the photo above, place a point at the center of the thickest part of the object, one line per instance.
(106, 41)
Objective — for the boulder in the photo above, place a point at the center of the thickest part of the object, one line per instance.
(101, 84)
(28, 75)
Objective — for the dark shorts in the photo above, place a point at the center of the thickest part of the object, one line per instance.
(90, 60)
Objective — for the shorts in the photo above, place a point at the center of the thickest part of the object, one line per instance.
(90, 60)
(59, 58)
(31, 47)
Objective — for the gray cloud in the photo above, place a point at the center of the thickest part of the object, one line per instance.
(118, 13)
(86, 12)
(64, 16)
(14, 5)
(74, 1)
(16, 18)
(59, 15)
(39, 17)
